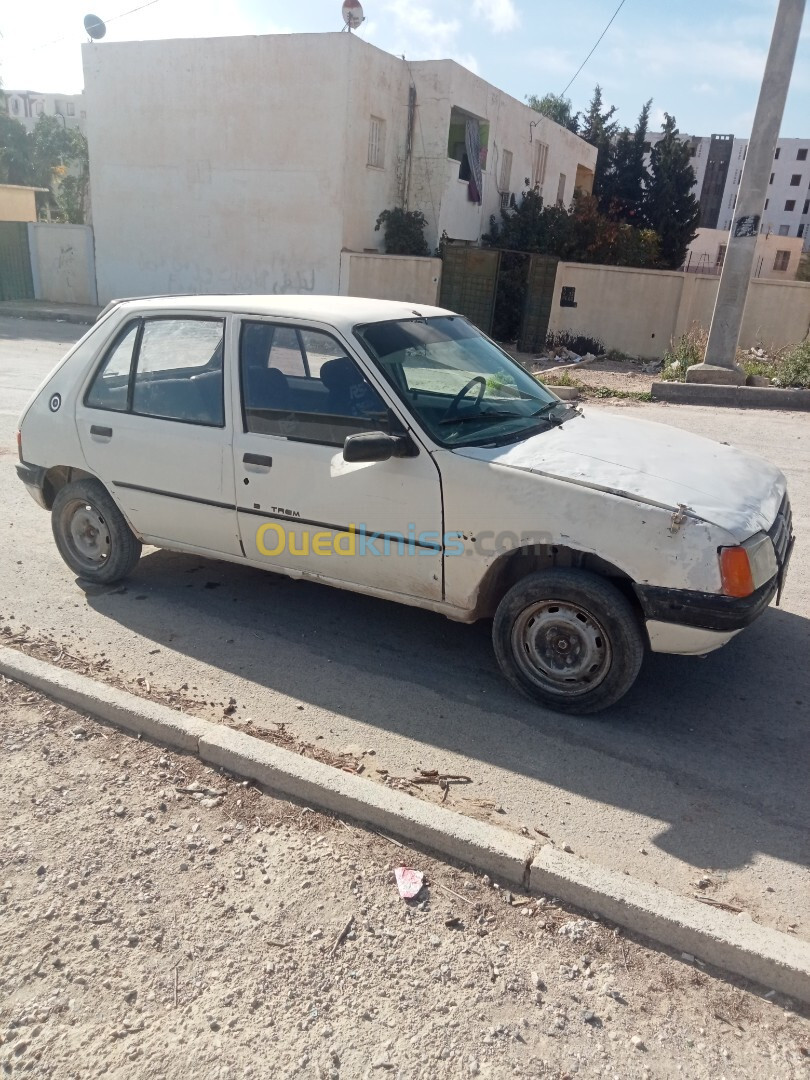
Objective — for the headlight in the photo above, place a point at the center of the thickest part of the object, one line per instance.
(746, 568)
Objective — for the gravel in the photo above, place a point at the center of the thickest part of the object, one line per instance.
(185, 939)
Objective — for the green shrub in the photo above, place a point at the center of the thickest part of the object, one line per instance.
(689, 349)
(792, 367)
(404, 231)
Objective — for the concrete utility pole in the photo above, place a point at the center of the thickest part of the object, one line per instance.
(719, 363)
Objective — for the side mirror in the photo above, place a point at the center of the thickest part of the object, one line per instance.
(373, 446)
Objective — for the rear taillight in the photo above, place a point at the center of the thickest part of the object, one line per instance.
(19, 445)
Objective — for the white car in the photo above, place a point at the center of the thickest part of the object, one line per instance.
(392, 449)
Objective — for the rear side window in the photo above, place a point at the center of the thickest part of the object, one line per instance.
(170, 369)
(111, 384)
(178, 373)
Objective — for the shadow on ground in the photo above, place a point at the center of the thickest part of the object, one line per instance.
(728, 733)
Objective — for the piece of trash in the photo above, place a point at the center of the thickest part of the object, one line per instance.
(453, 922)
(409, 881)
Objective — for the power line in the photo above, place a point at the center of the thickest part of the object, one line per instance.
(64, 37)
(593, 50)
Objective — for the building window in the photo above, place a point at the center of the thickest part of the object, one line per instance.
(784, 230)
(561, 190)
(506, 171)
(782, 260)
(732, 201)
(795, 180)
(539, 164)
(800, 231)
(71, 108)
(766, 203)
(806, 209)
(15, 105)
(567, 296)
(801, 155)
(736, 176)
(790, 204)
(721, 255)
(376, 143)
(771, 179)
(778, 152)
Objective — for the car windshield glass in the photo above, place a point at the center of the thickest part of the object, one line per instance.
(461, 386)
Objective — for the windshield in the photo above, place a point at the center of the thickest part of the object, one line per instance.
(461, 386)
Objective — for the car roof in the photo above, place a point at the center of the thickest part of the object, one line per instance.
(345, 311)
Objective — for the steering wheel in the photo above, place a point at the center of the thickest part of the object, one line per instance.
(452, 408)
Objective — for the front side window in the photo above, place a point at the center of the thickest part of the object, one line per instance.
(169, 369)
(300, 384)
(460, 385)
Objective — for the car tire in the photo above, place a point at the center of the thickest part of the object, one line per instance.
(569, 640)
(91, 533)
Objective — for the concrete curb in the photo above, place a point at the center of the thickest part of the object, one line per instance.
(728, 941)
(736, 397)
(81, 317)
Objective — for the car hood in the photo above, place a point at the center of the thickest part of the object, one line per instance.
(654, 464)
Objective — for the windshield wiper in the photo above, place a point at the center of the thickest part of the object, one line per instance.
(486, 416)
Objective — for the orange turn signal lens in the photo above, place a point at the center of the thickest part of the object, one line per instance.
(735, 570)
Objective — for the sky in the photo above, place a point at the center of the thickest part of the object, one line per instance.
(699, 60)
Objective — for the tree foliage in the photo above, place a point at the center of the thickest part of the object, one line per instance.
(581, 233)
(51, 156)
(669, 205)
(598, 128)
(556, 108)
(404, 231)
(624, 178)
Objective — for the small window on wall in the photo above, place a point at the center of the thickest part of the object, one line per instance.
(561, 190)
(782, 260)
(801, 155)
(376, 143)
(800, 231)
(568, 296)
(539, 164)
(15, 105)
(796, 179)
(778, 152)
(721, 255)
(71, 109)
(506, 171)
(790, 204)
(806, 209)
(784, 230)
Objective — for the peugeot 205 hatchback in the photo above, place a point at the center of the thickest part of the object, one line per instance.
(392, 449)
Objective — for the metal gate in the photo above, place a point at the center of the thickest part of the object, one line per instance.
(539, 298)
(469, 283)
(16, 282)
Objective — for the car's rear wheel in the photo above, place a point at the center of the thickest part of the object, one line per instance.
(91, 533)
(568, 639)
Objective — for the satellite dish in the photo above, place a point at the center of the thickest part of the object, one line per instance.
(353, 14)
(95, 27)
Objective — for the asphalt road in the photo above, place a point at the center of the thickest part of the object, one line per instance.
(702, 769)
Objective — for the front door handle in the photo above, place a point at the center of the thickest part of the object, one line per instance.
(104, 432)
(257, 459)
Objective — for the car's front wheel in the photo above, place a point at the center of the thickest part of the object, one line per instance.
(568, 639)
(91, 533)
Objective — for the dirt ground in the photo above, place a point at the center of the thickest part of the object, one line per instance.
(160, 919)
(625, 375)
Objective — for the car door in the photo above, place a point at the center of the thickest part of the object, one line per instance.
(154, 428)
(300, 505)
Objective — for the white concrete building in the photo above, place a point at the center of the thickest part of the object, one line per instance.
(718, 162)
(250, 163)
(776, 257)
(27, 106)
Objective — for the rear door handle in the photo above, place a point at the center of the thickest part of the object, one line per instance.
(256, 459)
(104, 432)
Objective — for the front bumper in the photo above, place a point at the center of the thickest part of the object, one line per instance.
(33, 476)
(720, 616)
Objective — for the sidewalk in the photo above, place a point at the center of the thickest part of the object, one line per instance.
(163, 919)
(82, 314)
